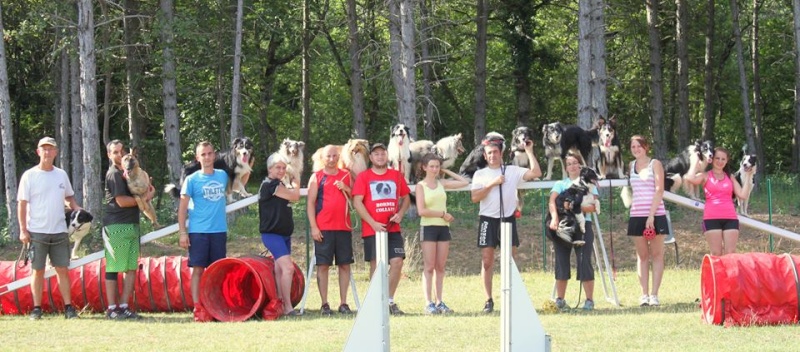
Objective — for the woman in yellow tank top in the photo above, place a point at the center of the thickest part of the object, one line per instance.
(435, 226)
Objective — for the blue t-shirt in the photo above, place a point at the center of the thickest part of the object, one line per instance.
(562, 186)
(207, 201)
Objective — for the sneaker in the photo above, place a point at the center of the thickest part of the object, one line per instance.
(113, 314)
(561, 303)
(326, 309)
(431, 309)
(653, 301)
(395, 310)
(36, 314)
(443, 308)
(70, 312)
(644, 301)
(345, 309)
(127, 313)
(489, 306)
(588, 305)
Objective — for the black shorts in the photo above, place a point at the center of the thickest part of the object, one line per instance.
(720, 224)
(336, 245)
(489, 232)
(395, 243)
(636, 225)
(583, 257)
(434, 233)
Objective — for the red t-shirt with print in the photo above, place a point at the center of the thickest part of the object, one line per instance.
(381, 193)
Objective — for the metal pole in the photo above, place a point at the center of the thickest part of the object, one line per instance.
(544, 228)
(769, 204)
(505, 286)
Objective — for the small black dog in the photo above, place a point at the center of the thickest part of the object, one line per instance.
(79, 224)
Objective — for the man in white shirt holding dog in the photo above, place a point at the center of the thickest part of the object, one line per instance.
(484, 183)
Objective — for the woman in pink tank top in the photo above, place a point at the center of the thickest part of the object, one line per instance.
(720, 222)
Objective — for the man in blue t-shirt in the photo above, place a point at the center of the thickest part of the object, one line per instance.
(203, 198)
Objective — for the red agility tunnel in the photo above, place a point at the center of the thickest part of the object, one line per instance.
(235, 289)
(750, 289)
(162, 285)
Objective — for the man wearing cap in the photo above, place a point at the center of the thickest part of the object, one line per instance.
(485, 190)
(43, 191)
(380, 196)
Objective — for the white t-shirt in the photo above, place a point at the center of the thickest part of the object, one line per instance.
(45, 192)
(490, 206)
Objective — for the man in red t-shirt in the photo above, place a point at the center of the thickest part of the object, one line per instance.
(329, 219)
(380, 196)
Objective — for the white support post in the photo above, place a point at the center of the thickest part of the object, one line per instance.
(505, 286)
(371, 329)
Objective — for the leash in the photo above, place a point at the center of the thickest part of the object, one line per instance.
(25, 255)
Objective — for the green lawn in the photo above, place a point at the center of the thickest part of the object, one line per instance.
(675, 326)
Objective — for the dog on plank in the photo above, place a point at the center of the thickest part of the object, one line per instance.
(609, 165)
(475, 160)
(79, 224)
(139, 184)
(237, 162)
(694, 158)
(447, 148)
(747, 169)
(399, 150)
(558, 139)
(353, 157)
(293, 151)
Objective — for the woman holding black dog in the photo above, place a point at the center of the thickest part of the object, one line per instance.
(562, 249)
(648, 221)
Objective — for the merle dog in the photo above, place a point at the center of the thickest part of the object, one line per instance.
(558, 139)
(237, 162)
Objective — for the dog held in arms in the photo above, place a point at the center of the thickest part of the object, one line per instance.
(399, 150)
(79, 224)
(572, 223)
(237, 162)
(293, 151)
(139, 185)
(747, 169)
(559, 139)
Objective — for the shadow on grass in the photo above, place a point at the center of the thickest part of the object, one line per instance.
(686, 307)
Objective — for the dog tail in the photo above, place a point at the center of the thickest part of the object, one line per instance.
(173, 190)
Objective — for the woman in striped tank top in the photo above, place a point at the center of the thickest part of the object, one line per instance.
(720, 222)
(647, 212)
(435, 227)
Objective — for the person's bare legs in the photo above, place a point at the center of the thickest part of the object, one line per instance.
(322, 281)
(429, 263)
(37, 282)
(197, 272)
(284, 270)
(714, 239)
(395, 271)
(642, 263)
(657, 256)
(127, 286)
(730, 238)
(442, 251)
(487, 270)
(344, 282)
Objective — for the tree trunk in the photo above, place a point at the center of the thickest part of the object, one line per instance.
(356, 74)
(75, 126)
(426, 33)
(107, 75)
(743, 86)
(401, 37)
(6, 132)
(656, 82)
(709, 117)
(64, 110)
(482, 19)
(585, 109)
(133, 74)
(796, 136)
(305, 74)
(681, 43)
(93, 191)
(758, 107)
(236, 96)
(600, 76)
(172, 128)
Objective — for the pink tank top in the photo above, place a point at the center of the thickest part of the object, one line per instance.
(719, 198)
(643, 192)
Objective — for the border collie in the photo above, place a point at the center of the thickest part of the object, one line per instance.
(475, 160)
(79, 224)
(609, 165)
(559, 139)
(237, 162)
(293, 152)
(685, 162)
(399, 150)
(572, 223)
(520, 137)
(747, 169)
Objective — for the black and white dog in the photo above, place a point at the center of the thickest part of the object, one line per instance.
(572, 223)
(399, 150)
(609, 165)
(79, 224)
(237, 162)
(559, 139)
(747, 169)
(520, 137)
(695, 158)
(475, 160)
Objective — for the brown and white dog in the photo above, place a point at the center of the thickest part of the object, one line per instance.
(747, 169)
(293, 151)
(139, 185)
(353, 156)
(399, 150)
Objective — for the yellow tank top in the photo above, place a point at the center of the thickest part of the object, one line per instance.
(436, 200)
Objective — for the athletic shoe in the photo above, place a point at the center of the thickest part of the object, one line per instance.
(489, 306)
(127, 313)
(395, 310)
(70, 312)
(36, 314)
(326, 309)
(345, 309)
(114, 314)
(588, 305)
(644, 301)
(561, 303)
(431, 309)
(443, 308)
(653, 301)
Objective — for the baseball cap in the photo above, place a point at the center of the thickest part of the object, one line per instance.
(376, 146)
(47, 140)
